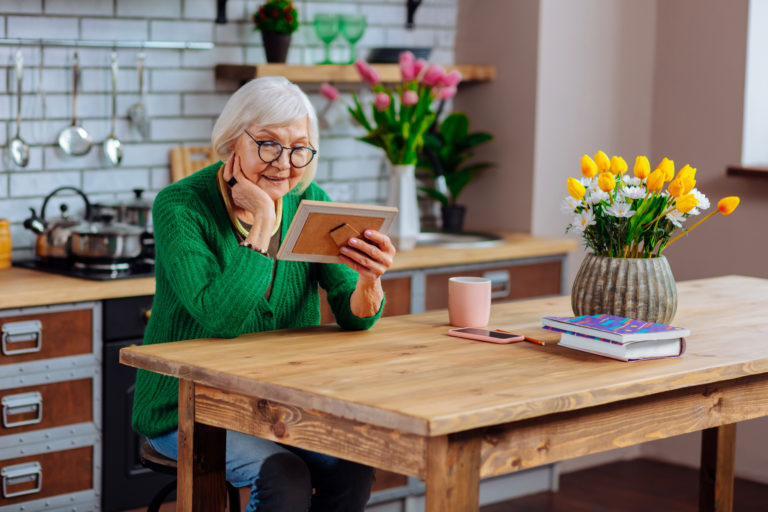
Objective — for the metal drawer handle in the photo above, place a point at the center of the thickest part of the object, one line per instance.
(21, 404)
(19, 474)
(19, 332)
(500, 283)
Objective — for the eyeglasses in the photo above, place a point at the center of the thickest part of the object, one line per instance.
(270, 150)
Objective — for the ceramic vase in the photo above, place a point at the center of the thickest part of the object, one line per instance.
(641, 288)
(276, 46)
(402, 194)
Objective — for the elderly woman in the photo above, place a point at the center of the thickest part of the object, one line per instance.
(217, 233)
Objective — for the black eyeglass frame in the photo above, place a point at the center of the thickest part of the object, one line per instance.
(290, 155)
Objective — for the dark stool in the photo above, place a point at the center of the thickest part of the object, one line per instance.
(156, 461)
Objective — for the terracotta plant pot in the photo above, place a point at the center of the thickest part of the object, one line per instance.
(276, 45)
(641, 288)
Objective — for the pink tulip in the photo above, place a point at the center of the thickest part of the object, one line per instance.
(367, 73)
(434, 75)
(419, 66)
(329, 91)
(407, 68)
(381, 101)
(451, 79)
(447, 93)
(409, 98)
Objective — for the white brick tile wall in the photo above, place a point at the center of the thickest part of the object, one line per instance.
(32, 26)
(182, 80)
(86, 7)
(23, 183)
(25, 6)
(114, 180)
(204, 104)
(35, 157)
(112, 29)
(182, 96)
(149, 8)
(180, 30)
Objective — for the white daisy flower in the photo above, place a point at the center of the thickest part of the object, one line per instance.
(568, 205)
(595, 196)
(583, 220)
(632, 181)
(703, 201)
(587, 182)
(619, 210)
(634, 192)
(676, 218)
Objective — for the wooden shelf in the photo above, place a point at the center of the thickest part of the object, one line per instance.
(741, 170)
(336, 73)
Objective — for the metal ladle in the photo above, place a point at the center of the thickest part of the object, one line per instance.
(19, 149)
(137, 113)
(74, 140)
(113, 150)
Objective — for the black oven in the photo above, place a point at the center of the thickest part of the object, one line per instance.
(125, 482)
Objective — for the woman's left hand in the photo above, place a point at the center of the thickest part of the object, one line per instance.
(369, 255)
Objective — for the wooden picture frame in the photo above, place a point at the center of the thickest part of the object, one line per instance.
(319, 228)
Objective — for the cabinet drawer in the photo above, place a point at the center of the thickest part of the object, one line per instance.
(46, 406)
(514, 282)
(45, 335)
(45, 475)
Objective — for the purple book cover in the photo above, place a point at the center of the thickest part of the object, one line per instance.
(614, 327)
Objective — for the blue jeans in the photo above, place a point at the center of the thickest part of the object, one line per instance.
(282, 478)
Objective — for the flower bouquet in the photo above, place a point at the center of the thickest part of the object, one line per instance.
(628, 221)
(623, 216)
(396, 121)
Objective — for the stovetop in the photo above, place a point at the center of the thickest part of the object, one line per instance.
(134, 268)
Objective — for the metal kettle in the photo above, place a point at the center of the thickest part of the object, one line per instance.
(54, 235)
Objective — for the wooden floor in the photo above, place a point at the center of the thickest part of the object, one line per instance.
(639, 485)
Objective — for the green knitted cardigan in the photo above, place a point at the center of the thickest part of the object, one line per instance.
(209, 287)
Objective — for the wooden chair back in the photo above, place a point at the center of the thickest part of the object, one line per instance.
(186, 160)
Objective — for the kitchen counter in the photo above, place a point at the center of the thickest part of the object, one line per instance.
(22, 287)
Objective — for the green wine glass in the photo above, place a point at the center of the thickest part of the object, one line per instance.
(352, 27)
(326, 28)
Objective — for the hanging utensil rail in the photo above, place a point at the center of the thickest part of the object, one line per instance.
(82, 43)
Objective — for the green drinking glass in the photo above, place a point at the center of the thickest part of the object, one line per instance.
(352, 27)
(326, 28)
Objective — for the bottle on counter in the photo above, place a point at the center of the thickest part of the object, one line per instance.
(5, 243)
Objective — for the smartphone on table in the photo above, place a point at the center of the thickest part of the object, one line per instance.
(474, 333)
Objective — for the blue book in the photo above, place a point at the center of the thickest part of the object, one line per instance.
(613, 328)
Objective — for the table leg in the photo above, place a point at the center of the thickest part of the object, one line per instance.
(453, 473)
(718, 446)
(201, 458)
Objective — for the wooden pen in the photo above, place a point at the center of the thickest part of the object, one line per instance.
(526, 338)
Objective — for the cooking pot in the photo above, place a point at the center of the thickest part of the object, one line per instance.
(53, 236)
(104, 240)
(137, 212)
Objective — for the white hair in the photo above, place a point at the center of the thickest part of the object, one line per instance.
(267, 101)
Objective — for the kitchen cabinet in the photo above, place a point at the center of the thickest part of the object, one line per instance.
(50, 390)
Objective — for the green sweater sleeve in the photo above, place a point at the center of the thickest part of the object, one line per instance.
(223, 293)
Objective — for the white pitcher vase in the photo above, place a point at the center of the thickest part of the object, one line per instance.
(402, 194)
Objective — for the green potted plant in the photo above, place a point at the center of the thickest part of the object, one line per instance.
(445, 154)
(277, 20)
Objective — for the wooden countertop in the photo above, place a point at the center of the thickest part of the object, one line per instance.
(21, 287)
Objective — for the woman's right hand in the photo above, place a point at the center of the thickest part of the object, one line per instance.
(246, 194)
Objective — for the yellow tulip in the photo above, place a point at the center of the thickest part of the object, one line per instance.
(676, 187)
(606, 181)
(642, 167)
(602, 161)
(655, 180)
(689, 183)
(618, 165)
(576, 189)
(687, 170)
(588, 166)
(684, 204)
(667, 166)
(727, 204)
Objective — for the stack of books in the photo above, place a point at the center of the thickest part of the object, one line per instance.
(616, 337)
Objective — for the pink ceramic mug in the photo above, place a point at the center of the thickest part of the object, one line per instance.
(469, 301)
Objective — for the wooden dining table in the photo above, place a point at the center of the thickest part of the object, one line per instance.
(405, 397)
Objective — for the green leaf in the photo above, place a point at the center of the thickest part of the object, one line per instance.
(455, 128)
(477, 138)
(436, 195)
